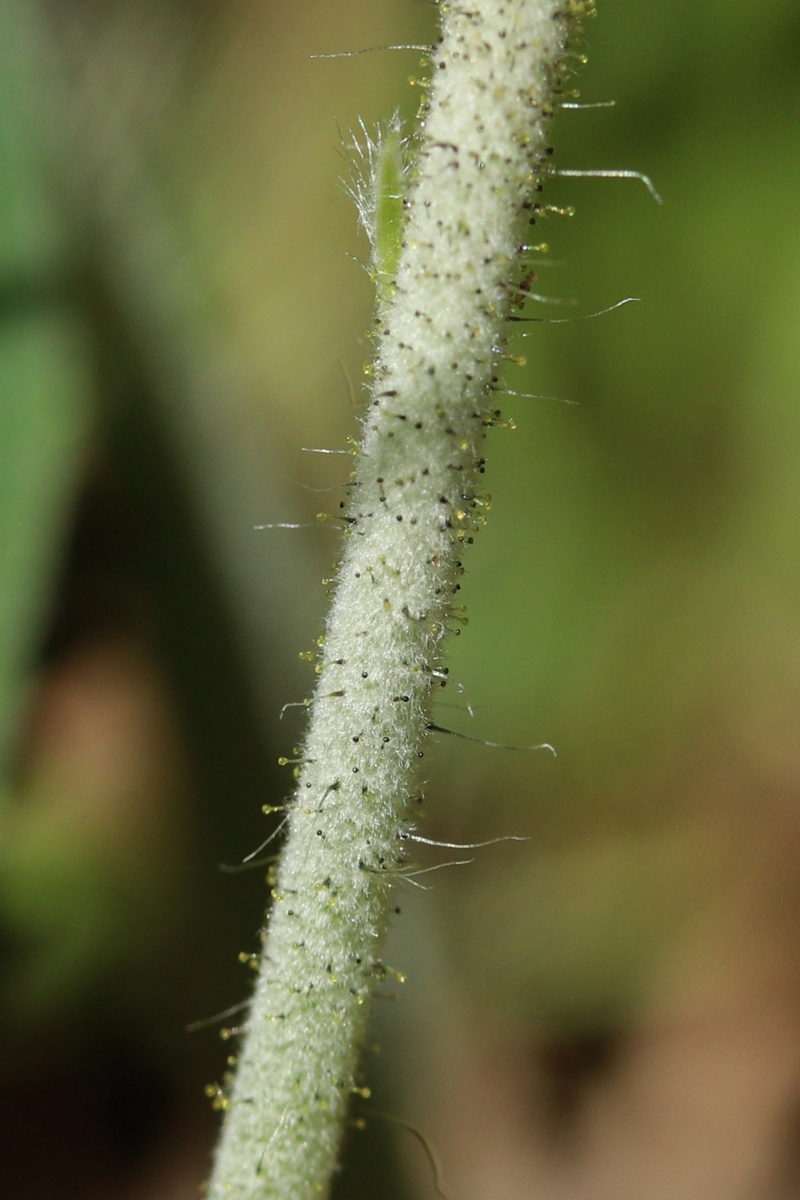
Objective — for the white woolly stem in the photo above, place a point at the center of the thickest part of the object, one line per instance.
(414, 504)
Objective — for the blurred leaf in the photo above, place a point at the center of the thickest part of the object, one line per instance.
(43, 369)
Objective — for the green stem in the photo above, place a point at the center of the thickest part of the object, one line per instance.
(414, 505)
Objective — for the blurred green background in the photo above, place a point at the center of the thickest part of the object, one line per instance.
(606, 1012)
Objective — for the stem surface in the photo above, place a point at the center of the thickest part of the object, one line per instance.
(414, 504)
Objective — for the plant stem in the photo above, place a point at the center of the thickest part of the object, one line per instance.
(415, 502)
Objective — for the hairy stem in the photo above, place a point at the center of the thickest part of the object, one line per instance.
(415, 502)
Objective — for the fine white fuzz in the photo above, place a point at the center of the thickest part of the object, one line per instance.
(414, 505)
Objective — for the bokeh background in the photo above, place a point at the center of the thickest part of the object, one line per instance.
(608, 1011)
